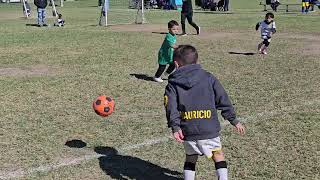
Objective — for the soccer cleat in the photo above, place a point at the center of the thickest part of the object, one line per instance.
(260, 47)
(198, 30)
(165, 75)
(264, 51)
(157, 79)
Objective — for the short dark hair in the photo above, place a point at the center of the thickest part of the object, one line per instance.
(269, 15)
(172, 23)
(186, 54)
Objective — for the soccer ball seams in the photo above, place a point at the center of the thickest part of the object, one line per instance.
(98, 102)
(106, 109)
(97, 112)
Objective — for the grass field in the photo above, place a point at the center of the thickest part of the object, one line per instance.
(50, 76)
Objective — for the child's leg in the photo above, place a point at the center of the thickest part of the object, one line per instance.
(307, 6)
(160, 71)
(272, 6)
(221, 165)
(171, 68)
(260, 46)
(275, 7)
(189, 169)
(266, 43)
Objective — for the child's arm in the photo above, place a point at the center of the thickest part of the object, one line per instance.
(257, 26)
(223, 103)
(241, 130)
(174, 46)
(171, 41)
(172, 113)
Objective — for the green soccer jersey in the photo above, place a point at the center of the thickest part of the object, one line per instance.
(165, 55)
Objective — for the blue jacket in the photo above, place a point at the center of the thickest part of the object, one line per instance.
(192, 98)
(41, 3)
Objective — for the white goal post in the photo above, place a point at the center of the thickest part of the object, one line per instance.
(122, 12)
(54, 10)
(25, 9)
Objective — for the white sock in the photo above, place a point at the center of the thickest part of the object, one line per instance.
(222, 170)
(189, 169)
(222, 174)
(189, 174)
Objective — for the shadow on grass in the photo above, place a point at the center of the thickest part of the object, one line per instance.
(159, 32)
(32, 25)
(143, 77)
(213, 12)
(75, 143)
(241, 53)
(95, 25)
(167, 33)
(122, 167)
(189, 34)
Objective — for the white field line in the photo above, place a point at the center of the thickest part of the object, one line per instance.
(137, 115)
(76, 161)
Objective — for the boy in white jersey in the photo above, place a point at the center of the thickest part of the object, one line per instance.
(60, 21)
(268, 27)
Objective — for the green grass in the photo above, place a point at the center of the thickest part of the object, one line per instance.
(277, 94)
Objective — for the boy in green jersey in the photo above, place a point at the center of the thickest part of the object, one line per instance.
(165, 55)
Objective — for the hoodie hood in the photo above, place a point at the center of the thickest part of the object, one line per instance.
(187, 76)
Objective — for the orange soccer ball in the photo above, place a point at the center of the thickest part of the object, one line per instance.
(103, 105)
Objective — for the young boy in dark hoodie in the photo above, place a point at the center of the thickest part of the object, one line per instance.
(192, 98)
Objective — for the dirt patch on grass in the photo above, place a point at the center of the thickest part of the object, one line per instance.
(140, 28)
(312, 49)
(305, 36)
(310, 42)
(11, 15)
(37, 70)
(222, 35)
(209, 33)
(162, 29)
